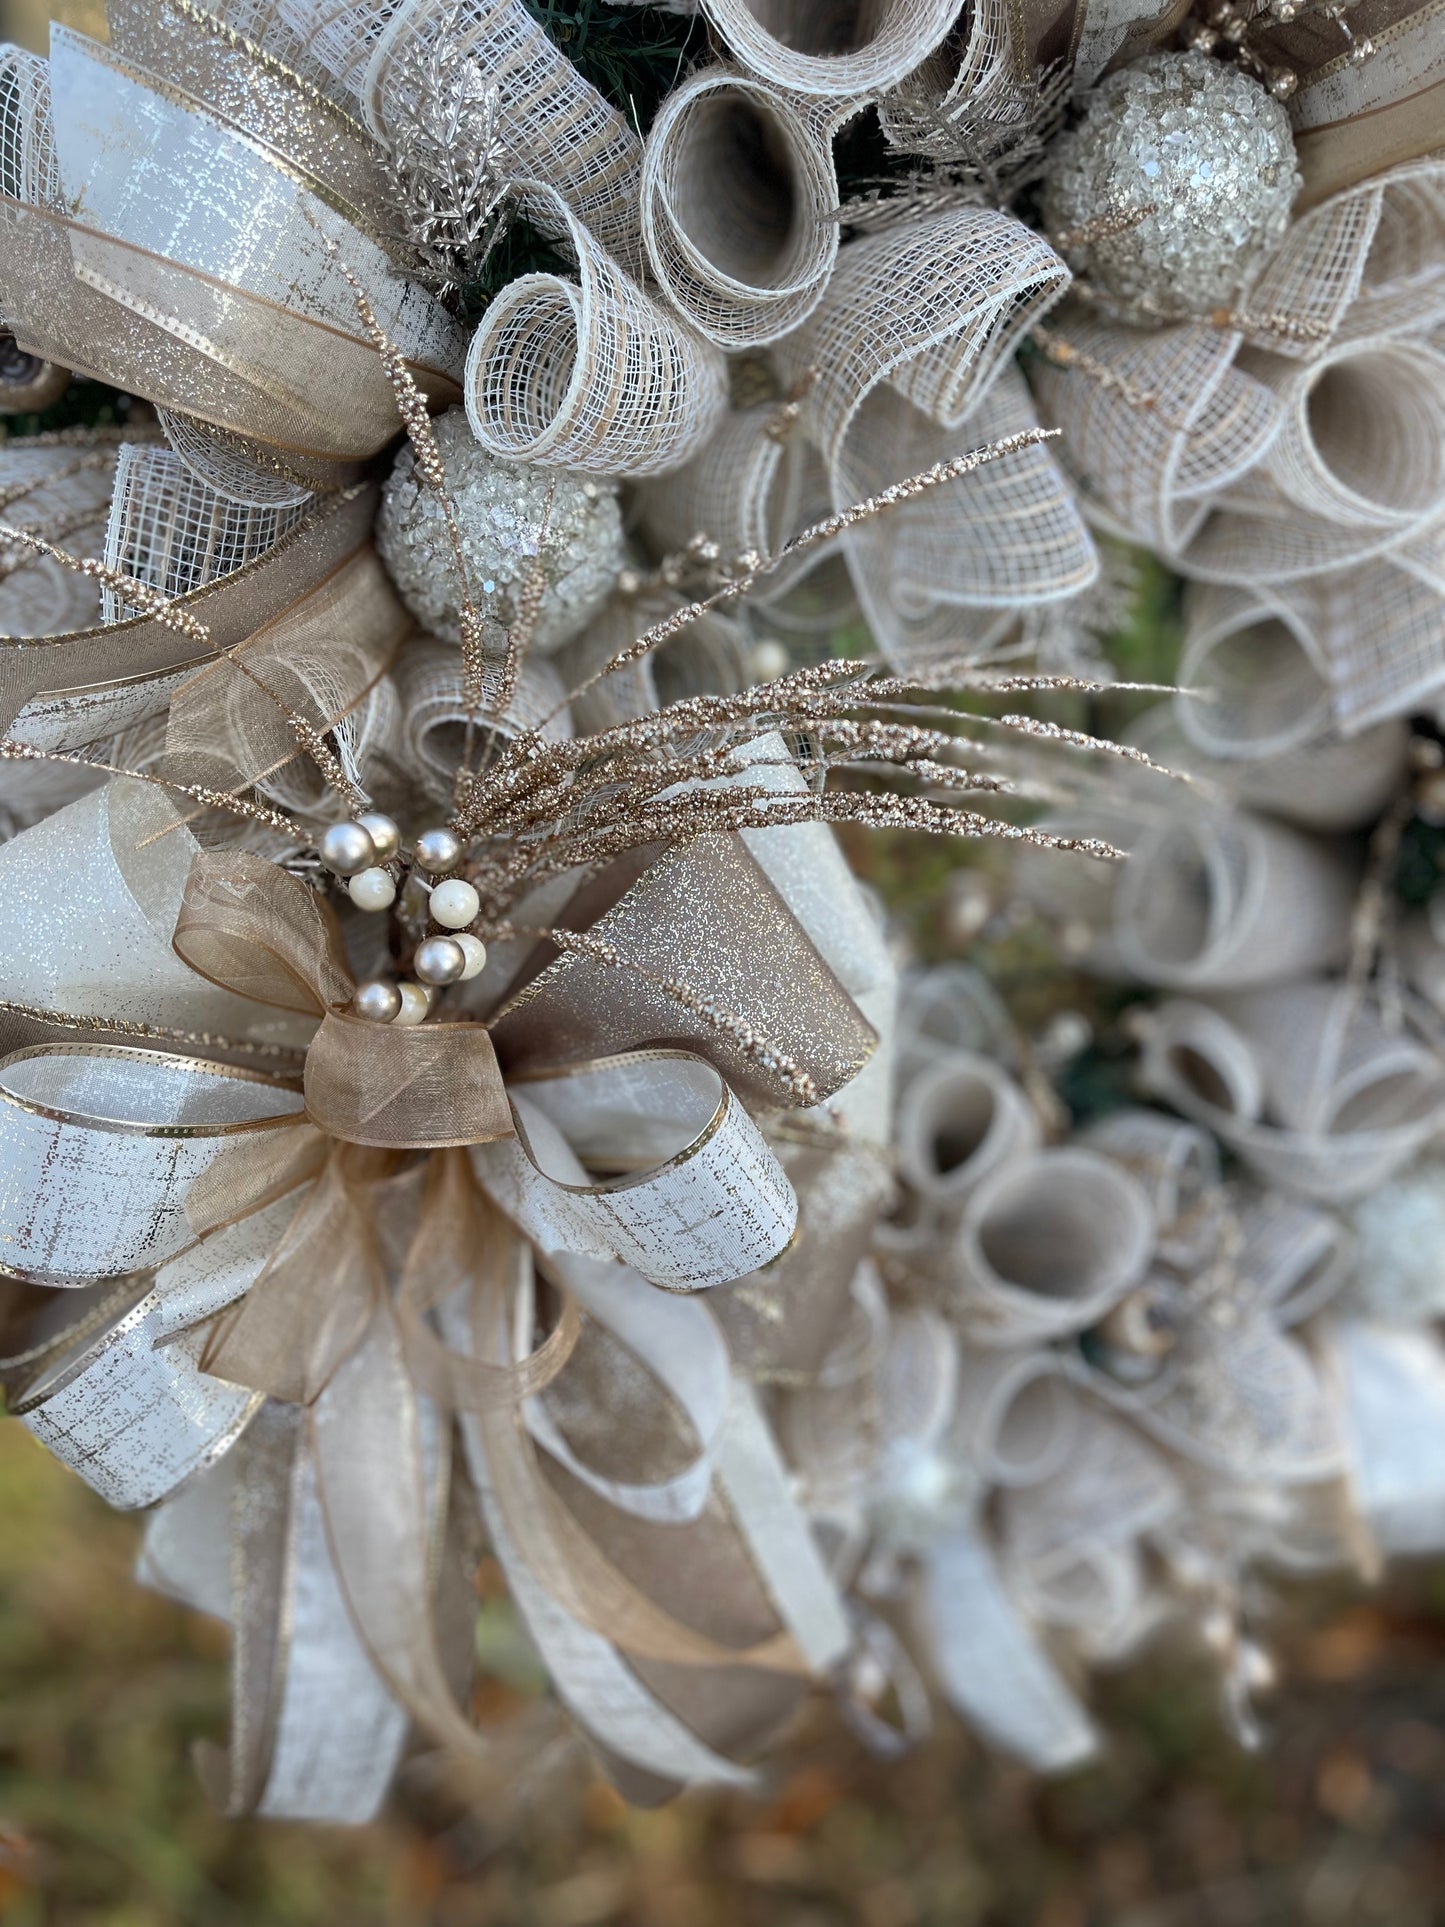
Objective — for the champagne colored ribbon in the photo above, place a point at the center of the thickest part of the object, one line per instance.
(252, 927)
(54, 682)
(708, 915)
(1354, 121)
(231, 309)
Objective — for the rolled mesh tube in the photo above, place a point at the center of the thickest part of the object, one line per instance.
(430, 684)
(590, 374)
(1253, 685)
(1047, 1244)
(957, 1121)
(553, 125)
(1173, 423)
(748, 264)
(819, 47)
(1217, 899)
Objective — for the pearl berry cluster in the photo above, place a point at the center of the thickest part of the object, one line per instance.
(367, 853)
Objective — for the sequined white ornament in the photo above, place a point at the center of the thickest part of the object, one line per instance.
(501, 509)
(1202, 145)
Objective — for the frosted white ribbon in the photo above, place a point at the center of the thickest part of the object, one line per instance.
(705, 1200)
(135, 1417)
(990, 1665)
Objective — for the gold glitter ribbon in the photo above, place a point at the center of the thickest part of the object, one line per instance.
(216, 291)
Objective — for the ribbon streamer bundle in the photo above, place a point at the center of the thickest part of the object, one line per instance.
(454, 1091)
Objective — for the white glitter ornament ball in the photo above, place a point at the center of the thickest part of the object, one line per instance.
(500, 509)
(1203, 145)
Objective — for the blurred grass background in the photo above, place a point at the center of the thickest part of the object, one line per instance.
(103, 1687)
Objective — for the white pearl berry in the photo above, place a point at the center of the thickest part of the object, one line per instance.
(372, 890)
(414, 1004)
(770, 660)
(454, 904)
(475, 952)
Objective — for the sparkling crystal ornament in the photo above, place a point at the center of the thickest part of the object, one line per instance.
(1202, 145)
(501, 509)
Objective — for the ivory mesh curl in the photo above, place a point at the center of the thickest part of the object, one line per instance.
(1370, 261)
(811, 47)
(965, 92)
(946, 579)
(175, 533)
(1255, 679)
(1175, 422)
(591, 374)
(747, 266)
(430, 688)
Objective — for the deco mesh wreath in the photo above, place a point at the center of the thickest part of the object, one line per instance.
(455, 1093)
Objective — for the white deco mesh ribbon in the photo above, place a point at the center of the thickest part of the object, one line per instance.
(1175, 422)
(969, 89)
(709, 657)
(1069, 1542)
(944, 577)
(749, 488)
(1358, 467)
(1235, 1396)
(702, 1199)
(429, 681)
(1297, 1257)
(915, 332)
(1368, 263)
(235, 471)
(748, 264)
(59, 490)
(591, 374)
(1215, 899)
(813, 47)
(1178, 1165)
(174, 532)
(956, 1122)
(1373, 631)
(552, 124)
(1047, 1244)
(1306, 1086)
(1016, 1420)
(937, 308)
(1326, 782)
